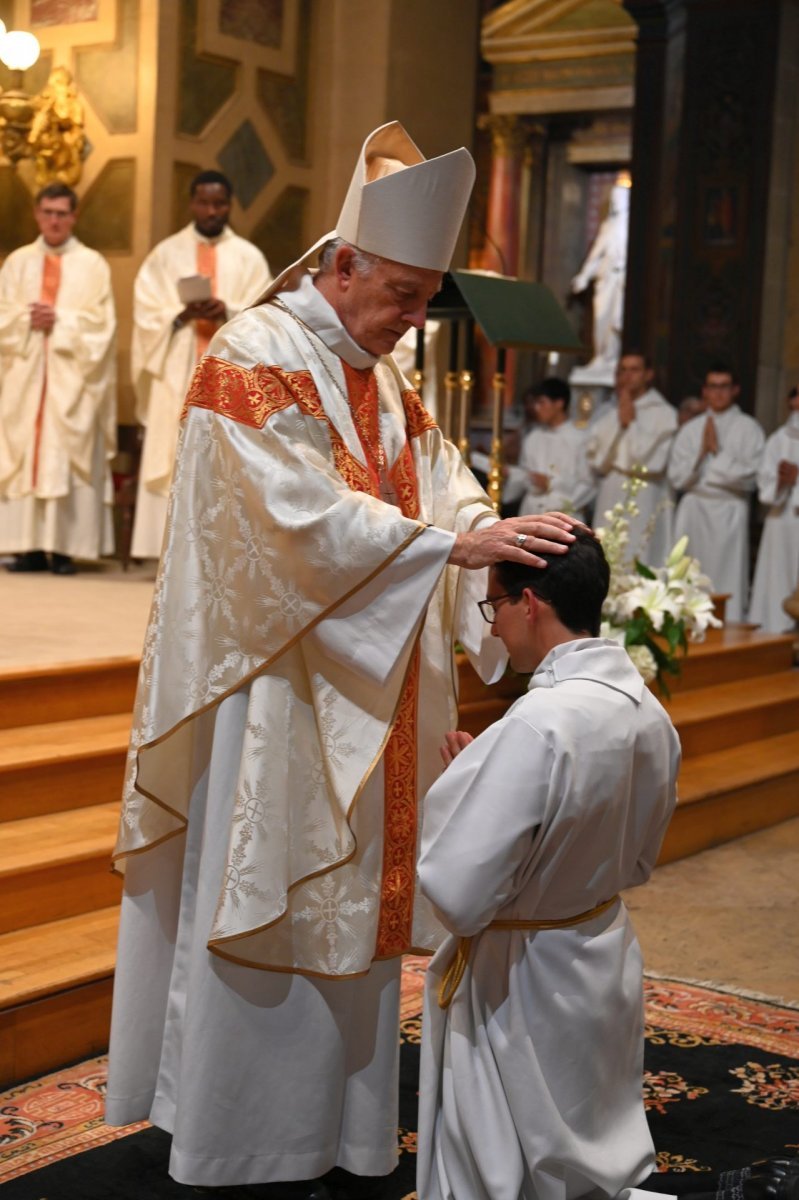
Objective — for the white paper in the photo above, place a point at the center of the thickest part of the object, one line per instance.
(194, 287)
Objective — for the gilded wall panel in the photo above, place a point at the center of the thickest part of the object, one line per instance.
(182, 175)
(107, 75)
(247, 164)
(612, 70)
(205, 83)
(285, 98)
(281, 233)
(105, 220)
(17, 226)
(258, 21)
(33, 80)
(63, 12)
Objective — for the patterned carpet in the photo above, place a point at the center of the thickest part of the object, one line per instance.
(721, 1089)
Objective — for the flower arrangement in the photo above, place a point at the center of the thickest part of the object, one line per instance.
(652, 611)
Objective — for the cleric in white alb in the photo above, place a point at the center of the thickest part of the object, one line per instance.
(632, 440)
(57, 394)
(532, 1035)
(714, 463)
(777, 570)
(169, 337)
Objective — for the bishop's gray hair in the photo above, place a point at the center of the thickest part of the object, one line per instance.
(365, 262)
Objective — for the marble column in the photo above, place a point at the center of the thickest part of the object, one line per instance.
(509, 136)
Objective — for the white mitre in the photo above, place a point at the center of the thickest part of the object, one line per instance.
(400, 205)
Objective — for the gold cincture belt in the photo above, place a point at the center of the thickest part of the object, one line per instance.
(454, 972)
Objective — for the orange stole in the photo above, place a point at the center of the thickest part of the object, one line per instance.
(206, 265)
(400, 799)
(51, 281)
(251, 397)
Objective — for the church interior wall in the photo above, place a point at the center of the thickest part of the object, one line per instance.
(278, 95)
(108, 45)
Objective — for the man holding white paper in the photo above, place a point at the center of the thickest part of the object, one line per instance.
(189, 285)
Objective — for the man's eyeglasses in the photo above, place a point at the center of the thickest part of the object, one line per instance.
(488, 608)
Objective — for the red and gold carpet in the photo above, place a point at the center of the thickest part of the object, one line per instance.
(721, 1089)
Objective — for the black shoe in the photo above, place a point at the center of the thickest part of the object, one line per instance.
(343, 1185)
(62, 564)
(33, 560)
(298, 1189)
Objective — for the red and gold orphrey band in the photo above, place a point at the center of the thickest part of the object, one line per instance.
(251, 397)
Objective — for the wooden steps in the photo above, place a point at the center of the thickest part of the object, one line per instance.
(56, 866)
(63, 739)
(735, 653)
(32, 696)
(55, 993)
(62, 765)
(736, 709)
(731, 792)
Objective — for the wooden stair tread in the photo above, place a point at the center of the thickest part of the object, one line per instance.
(34, 843)
(63, 954)
(61, 741)
(59, 671)
(736, 767)
(724, 698)
(33, 695)
(733, 638)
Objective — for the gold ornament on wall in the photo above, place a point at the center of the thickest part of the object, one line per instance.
(47, 128)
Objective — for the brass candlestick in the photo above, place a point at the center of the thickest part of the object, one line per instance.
(450, 388)
(495, 469)
(464, 415)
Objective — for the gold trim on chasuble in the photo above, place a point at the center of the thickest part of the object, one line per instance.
(251, 397)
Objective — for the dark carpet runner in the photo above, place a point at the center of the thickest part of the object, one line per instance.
(721, 1089)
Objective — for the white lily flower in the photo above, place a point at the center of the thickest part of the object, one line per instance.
(644, 662)
(678, 553)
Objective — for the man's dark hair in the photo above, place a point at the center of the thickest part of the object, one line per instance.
(574, 583)
(554, 389)
(793, 392)
(211, 177)
(57, 191)
(720, 367)
(637, 352)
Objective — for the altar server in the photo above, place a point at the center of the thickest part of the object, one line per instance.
(714, 463)
(632, 440)
(777, 570)
(554, 455)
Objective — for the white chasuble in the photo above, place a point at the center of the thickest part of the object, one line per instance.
(296, 682)
(777, 570)
(714, 509)
(163, 358)
(531, 1080)
(641, 450)
(57, 402)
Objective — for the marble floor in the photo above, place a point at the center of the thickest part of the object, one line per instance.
(726, 916)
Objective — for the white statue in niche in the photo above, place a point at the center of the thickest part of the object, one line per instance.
(605, 267)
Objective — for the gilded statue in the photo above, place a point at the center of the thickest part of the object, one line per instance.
(57, 138)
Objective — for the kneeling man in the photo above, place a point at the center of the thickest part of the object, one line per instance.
(532, 1055)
